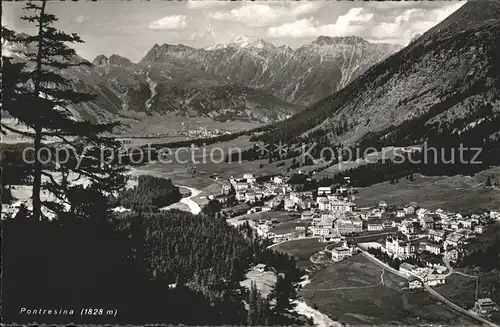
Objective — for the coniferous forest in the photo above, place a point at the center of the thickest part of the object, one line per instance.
(152, 268)
(150, 194)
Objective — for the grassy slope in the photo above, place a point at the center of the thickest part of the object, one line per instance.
(302, 250)
(459, 289)
(456, 193)
(382, 304)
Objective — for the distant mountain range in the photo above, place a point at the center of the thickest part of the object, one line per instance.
(444, 83)
(300, 76)
(248, 79)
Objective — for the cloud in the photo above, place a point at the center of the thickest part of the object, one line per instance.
(258, 14)
(203, 33)
(397, 26)
(404, 26)
(172, 23)
(298, 29)
(351, 23)
(203, 4)
(80, 19)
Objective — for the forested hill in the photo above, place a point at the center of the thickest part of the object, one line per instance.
(130, 263)
(150, 194)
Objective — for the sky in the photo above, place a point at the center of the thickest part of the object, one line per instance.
(131, 28)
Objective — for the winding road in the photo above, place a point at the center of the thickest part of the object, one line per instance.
(193, 206)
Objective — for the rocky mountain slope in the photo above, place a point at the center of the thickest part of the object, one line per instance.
(247, 80)
(124, 89)
(446, 83)
(299, 76)
(154, 89)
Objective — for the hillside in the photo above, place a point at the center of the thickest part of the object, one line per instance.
(444, 87)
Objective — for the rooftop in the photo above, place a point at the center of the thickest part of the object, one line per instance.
(485, 301)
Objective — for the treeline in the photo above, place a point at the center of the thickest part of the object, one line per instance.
(150, 194)
(445, 136)
(86, 258)
(199, 142)
(487, 259)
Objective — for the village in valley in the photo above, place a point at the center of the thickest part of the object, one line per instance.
(419, 244)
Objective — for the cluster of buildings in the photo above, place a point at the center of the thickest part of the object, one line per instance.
(331, 215)
(440, 235)
(438, 232)
(246, 189)
(484, 306)
(324, 213)
(419, 276)
(203, 132)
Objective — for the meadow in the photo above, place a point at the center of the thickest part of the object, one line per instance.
(355, 291)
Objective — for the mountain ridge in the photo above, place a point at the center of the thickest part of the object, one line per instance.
(301, 76)
(442, 83)
(263, 83)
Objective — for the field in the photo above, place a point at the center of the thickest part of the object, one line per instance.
(488, 237)
(355, 291)
(457, 193)
(459, 289)
(386, 154)
(286, 221)
(485, 283)
(302, 250)
(289, 226)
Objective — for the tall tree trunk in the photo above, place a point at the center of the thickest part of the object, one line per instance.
(37, 169)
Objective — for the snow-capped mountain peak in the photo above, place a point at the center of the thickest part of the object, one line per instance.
(244, 41)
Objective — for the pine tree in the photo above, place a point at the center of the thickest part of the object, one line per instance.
(253, 298)
(283, 293)
(263, 311)
(39, 96)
